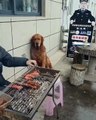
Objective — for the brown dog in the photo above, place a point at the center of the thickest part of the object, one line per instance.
(38, 51)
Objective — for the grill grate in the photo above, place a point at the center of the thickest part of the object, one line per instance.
(26, 100)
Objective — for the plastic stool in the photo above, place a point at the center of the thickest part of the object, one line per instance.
(48, 104)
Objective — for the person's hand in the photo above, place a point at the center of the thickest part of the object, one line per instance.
(31, 63)
(93, 23)
(71, 22)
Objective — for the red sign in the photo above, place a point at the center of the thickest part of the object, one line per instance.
(79, 37)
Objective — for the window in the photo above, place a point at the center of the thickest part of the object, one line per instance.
(20, 7)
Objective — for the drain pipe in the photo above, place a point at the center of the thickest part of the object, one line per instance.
(64, 7)
(62, 27)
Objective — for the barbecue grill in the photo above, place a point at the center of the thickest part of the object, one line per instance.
(26, 101)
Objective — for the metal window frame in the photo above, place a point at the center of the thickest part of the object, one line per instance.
(21, 13)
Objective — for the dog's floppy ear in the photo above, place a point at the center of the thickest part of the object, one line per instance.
(42, 40)
(31, 40)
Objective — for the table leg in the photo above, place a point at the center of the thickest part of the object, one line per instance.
(91, 71)
(78, 58)
(92, 66)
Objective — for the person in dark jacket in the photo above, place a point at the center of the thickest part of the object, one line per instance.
(7, 60)
(83, 15)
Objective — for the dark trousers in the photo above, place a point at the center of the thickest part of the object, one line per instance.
(3, 82)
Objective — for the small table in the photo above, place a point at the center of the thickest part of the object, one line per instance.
(91, 52)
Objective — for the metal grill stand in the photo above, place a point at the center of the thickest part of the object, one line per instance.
(27, 101)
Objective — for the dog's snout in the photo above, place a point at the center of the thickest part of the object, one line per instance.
(36, 43)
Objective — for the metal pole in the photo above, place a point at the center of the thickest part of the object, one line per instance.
(62, 27)
(64, 8)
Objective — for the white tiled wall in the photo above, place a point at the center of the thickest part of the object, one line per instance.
(5, 36)
(23, 51)
(21, 72)
(22, 18)
(60, 1)
(15, 34)
(11, 79)
(54, 40)
(55, 9)
(55, 25)
(43, 27)
(4, 19)
(48, 9)
(22, 32)
(47, 43)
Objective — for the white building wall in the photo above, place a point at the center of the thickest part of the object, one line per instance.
(15, 34)
(92, 7)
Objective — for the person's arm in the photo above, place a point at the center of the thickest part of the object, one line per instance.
(73, 17)
(92, 18)
(9, 61)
